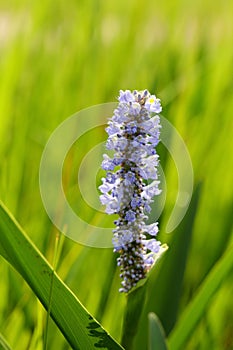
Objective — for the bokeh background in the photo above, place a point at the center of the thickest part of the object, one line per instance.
(59, 57)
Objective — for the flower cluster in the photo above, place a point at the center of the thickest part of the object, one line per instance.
(132, 181)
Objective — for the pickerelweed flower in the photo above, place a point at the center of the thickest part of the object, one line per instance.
(132, 181)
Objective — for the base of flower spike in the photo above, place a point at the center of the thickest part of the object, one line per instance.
(140, 283)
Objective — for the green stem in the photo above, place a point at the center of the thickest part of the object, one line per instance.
(134, 307)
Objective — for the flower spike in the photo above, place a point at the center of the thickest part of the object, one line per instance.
(133, 134)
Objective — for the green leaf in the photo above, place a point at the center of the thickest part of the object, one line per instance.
(170, 276)
(156, 339)
(195, 310)
(3, 343)
(80, 329)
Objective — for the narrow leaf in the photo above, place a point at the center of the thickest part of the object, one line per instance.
(80, 329)
(156, 339)
(197, 307)
(3, 343)
(170, 277)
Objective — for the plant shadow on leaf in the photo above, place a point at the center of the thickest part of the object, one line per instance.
(97, 332)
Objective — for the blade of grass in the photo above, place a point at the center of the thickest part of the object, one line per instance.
(80, 329)
(197, 307)
(170, 276)
(55, 257)
(3, 343)
(156, 339)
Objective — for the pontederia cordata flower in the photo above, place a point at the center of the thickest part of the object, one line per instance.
(132, 181)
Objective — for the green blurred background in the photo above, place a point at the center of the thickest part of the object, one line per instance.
(59, 57)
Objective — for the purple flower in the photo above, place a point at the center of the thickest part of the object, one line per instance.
(126, 96)
(130, 216)
(134, 108)
(153, 104)
(151, 190)
(130, 178)
(111, 178)
(153, 245)
(133, 135)
(152, 229)
(136, 202)
(107, 163)
(113, 129)
(106, 186)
